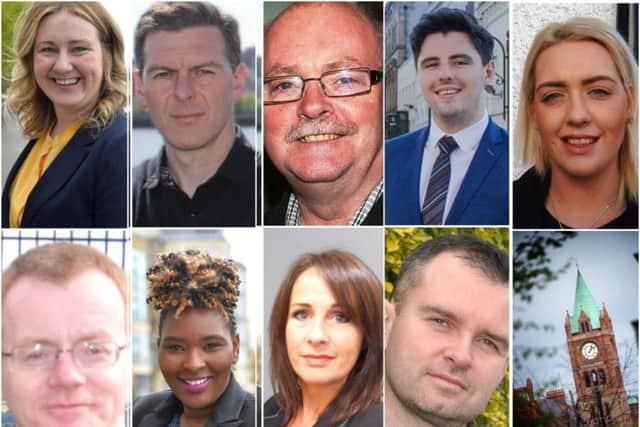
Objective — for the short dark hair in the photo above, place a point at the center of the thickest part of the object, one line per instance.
(475, 252)
(176, 16)
(446, 20)
(359, 291)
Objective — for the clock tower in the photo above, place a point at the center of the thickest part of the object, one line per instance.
(601, 396)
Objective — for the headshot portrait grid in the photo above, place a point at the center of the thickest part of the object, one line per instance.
(447, 328)
(323, 327)
(322, 107)
(64, 140)
(194, 138)
(576, 142)
(447, 148)
(66, 352)
(195, 321)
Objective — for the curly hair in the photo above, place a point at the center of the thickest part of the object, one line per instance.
(27, 101)
(191, 279)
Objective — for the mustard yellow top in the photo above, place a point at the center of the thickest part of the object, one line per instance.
(43, 153)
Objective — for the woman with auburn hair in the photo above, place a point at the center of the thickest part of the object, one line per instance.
(577, 126)
(326, 344)
(67, 92)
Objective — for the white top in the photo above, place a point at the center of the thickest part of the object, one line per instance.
(468, 140)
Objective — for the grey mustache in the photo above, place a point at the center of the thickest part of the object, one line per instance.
(317, 127)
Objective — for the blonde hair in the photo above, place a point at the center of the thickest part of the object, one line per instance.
(581, 29)
(25, 99)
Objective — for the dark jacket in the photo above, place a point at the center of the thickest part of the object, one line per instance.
(483, 197)
(226, 199)
(234, 408)
(278, 214)
(370, 417)
(529, 195)
(84, 187)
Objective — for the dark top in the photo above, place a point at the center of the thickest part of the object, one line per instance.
(84, 187)
(370, 417)
(228, 198)
(278, 214)
(529, 194)
(234, 408)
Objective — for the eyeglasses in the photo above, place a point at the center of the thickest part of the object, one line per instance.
(86, 354)
(335, 83)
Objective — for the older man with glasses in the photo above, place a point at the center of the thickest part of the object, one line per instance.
(323, 113)
(64, 338)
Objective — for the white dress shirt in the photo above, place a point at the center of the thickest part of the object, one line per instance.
(468, 140)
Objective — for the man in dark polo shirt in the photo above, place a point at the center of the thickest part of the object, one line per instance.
(188, 77)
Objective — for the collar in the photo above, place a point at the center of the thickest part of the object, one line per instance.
(292, 216)
(227, 408)
(467, 138)
(157, 172)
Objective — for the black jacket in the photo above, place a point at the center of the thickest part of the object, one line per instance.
(370, 417)
(84, 187)
(529, 194)
(235, 408)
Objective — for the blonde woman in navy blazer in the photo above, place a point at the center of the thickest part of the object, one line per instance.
(69, 73)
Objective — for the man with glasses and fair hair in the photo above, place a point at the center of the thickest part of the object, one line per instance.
(64, 338)
(323, 113)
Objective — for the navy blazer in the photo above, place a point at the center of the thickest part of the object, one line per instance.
(483, 197)
(84, 187)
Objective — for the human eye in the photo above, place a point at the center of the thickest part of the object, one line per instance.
(300, 315)
(173, 348)
(35, 355)
(212, 346)
(439, 323)
(461, 62)
(489, 345)
(340, 317)
(283, 85)
(205, 72)
(47, 50)
(550, 98)
(599, 92)
(160, 75)
(79, 50)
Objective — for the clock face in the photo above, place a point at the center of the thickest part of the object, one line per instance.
(589, 350)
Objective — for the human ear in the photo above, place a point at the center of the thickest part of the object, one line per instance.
(138, 89)
(389, 318)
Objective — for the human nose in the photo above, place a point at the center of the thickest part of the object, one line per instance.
(65, 372)
(578, 114)
(63, 63)
(314, 102)
(194, 360)
(459, 352)
(317, 333)
(184, 87)
(445, 72)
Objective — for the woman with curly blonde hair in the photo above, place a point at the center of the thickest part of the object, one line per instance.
(67, 92)
(577, 130)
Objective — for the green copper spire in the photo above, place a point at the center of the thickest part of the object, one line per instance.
(585, 302)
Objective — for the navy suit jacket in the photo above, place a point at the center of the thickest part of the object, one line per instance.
(84, 187)
(483, 197)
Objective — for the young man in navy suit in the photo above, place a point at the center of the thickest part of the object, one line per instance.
(456, 170)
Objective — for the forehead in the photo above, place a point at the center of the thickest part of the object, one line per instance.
(195, 323)
(441, 45)
(315, 35)
(566, 60)
(311, 288)
(89, 302)
(189, 46)
(447, 281)
(63, 25)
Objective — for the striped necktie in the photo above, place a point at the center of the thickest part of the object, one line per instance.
(434, 200)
